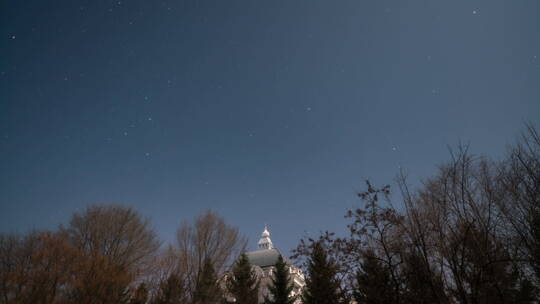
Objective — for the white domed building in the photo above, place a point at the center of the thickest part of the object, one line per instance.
(264, 260)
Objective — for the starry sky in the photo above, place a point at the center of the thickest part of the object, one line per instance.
(265, 111)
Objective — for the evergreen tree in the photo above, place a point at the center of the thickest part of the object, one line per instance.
(140, 296)
(243, 283)
(526, 293)
(373, 283)
(207, 290)
(281, 286)
(422, 283)
(171, 291)
(322, 286)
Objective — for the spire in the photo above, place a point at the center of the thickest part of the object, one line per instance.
(265, 242)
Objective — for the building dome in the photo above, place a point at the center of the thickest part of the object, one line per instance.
(265, 242)
(263, 258)
(263, 262)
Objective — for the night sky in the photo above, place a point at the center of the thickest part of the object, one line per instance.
(265, 111)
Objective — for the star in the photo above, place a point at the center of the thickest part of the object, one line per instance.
(13, 37)
(474, 12)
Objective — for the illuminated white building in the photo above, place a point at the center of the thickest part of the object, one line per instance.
(264, 260)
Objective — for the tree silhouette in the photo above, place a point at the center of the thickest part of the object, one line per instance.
(171, 291)
(207, 290)
(140, 296)
(243, 284)
(373, 282)
(281, 286)
(322, 286)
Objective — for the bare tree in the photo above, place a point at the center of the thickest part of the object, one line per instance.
(35, 268)
(455, 223)
(166, 280)
(520, 180)
(116, 245)
(116, 232)
(455, 239)
(374, 235)
(209, 238)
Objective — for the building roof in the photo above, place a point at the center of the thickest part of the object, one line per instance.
(267, 255)
(264, 258)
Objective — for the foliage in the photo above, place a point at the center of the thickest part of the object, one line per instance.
(242, 283)
(322, 286)
(140, 296)
(468, 234)
(35, 267)
(207, 290)
(281, 287)
(373, 283)
(171, 291)
(208, 238)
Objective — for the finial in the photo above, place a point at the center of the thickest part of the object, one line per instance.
(265, 232)
(265, 242)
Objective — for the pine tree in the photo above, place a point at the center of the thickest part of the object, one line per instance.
(322, 286)
(171, 291)
(243, 283)
(281, 286)
(207, 290)
(373, 282)
(140, 296)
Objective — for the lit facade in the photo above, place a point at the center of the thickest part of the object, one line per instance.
(264, 260)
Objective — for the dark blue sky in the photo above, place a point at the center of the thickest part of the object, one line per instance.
(265, 111)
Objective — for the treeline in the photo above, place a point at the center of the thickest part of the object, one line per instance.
(110, 254)
(469, 234)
